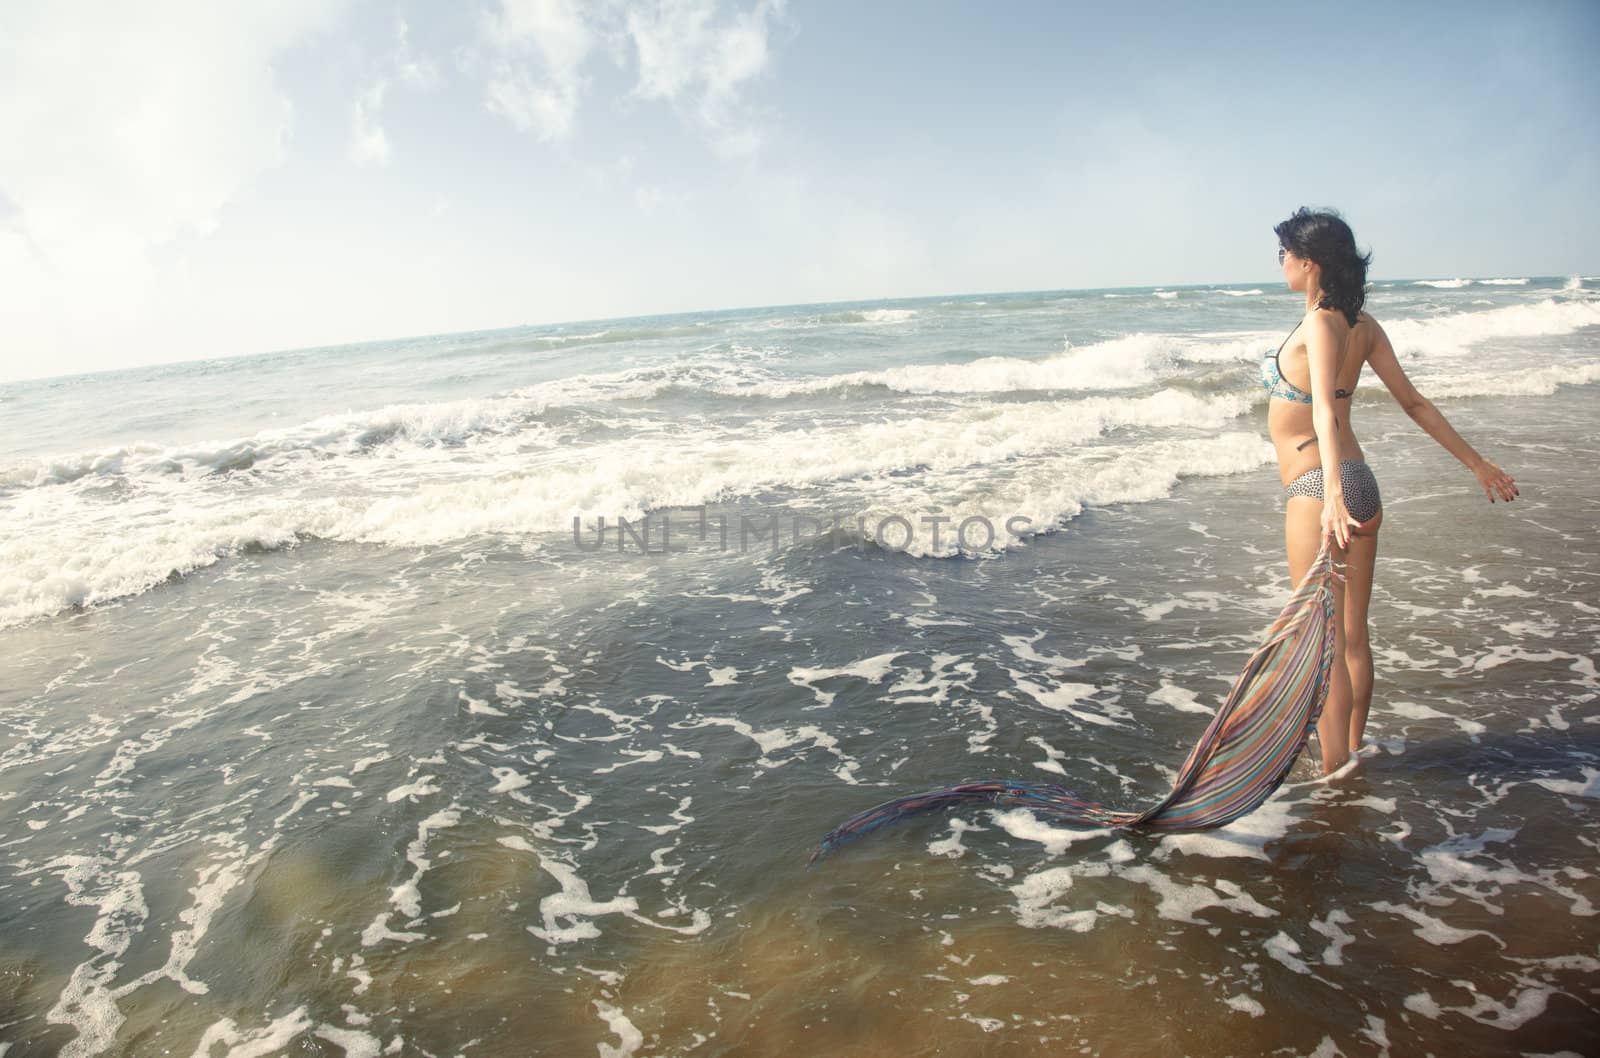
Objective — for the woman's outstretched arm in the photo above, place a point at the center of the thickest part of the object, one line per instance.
(1495, 482)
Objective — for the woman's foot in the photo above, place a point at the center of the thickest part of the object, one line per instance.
(1349, 766)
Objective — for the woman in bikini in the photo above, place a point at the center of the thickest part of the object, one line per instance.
(1331, 491)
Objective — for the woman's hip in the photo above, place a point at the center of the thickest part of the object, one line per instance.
(1361, 496)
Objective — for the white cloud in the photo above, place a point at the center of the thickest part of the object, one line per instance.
(122, 127)
(118, 124)
(536, 75)
(687, 58)
(415, 71)
(668, 37)
(369, 144)
(684, 54)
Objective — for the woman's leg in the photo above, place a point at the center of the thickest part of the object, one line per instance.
(1302, 523)
(1360, 557)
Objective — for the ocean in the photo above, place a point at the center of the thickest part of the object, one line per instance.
(485, 694)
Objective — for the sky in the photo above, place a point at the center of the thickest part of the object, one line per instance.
(182, 179)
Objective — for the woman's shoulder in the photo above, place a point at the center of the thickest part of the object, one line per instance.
(1322, 316)
(1364, 331)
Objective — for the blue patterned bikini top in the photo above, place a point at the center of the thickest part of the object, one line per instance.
(1282, 388)
(1272, 377)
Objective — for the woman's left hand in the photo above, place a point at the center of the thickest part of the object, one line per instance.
(1336, 520)
(1495, 481)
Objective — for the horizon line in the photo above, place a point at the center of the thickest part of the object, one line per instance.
(360, 342)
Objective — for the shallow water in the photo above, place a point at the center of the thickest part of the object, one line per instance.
(488, 793)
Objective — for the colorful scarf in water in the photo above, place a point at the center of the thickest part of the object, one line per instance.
(1249, 747)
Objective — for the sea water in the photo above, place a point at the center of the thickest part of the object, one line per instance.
(484, 694)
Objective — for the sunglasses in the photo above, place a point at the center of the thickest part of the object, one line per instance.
(1281, 253)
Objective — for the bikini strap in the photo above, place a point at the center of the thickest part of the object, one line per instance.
(1286, 340)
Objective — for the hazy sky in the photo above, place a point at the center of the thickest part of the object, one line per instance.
(195, 179)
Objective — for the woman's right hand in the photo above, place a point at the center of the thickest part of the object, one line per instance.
(1337, 520)
(1495, 482)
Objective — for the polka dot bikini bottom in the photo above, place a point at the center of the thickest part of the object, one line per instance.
(1361, 497)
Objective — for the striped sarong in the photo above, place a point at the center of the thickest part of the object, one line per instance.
(1247, 750)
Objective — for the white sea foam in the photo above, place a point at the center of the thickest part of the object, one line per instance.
(507, 780)
(423, 425)
(1021, 823)
(1120, 363)
(1126, 362)
(1036, 898)
(1422, 1003)
(479, 706)
(951, 846)
(1048, 493)
(215, 882)
(1246, 836)
(1179, 698)
(59, 551)
(947, 673)
(1455, 334)
(353, 1042)
(1534, 382)
(1588, 786)
(406, 897)
(378, 931)
(271, 1038)
(566, 339)
(1338, 938)
(568, 915)
(1430, 928)
(774, 739)
(629, 1038)
(887, 315)
(1445, 284)
(87, 1003)
(1038, 894)
(1238, 347)
(1525, 1005)
(873, 670)
(1286, 950)
(422, 787)
(1065, 696)
(447, 424)
(1181, 901)
(1022, 647)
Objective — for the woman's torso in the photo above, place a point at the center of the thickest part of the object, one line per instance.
(1289, 410)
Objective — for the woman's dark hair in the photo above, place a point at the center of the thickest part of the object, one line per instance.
(1322, 237)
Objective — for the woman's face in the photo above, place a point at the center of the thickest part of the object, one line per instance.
(1296, 270)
